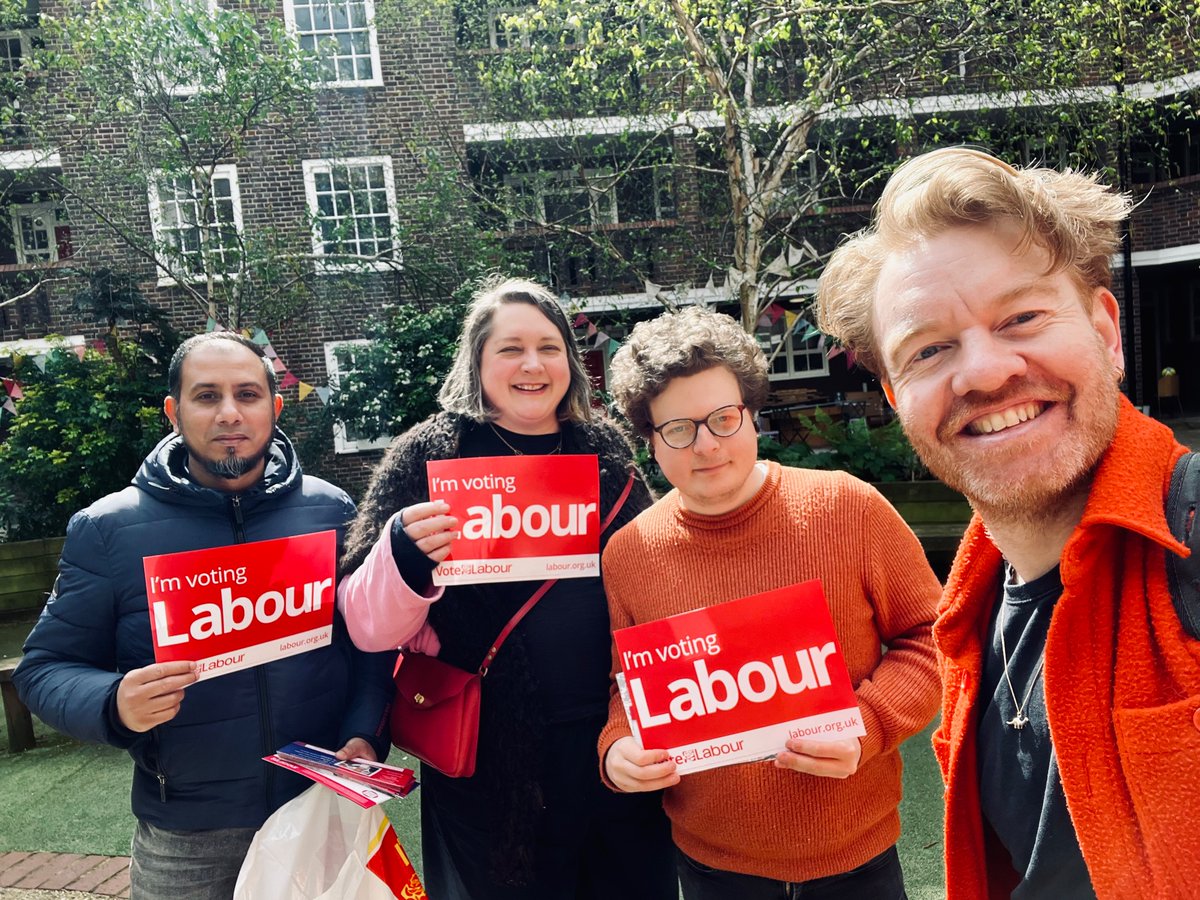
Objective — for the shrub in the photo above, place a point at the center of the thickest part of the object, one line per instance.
(872, 454)
(81, 431)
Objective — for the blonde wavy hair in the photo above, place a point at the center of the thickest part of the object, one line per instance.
(1071, 216)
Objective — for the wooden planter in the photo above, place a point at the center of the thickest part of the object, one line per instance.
(27, 572)
(937, 514)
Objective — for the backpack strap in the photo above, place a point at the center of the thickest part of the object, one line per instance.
(1183, 575)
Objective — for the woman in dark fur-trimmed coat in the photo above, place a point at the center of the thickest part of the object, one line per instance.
(534, 821)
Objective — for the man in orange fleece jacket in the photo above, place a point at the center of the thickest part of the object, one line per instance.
(1070, 733)
(820, 819)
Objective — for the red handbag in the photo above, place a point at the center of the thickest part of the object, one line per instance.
(435, 715)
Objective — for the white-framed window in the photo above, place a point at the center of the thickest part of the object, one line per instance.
(198, 231)
(341, 36)
(562, 197)
(14, 50)
(504, 34)
(339, 361)
(798, 358)
(41, 232)
(174, 69)
(353, 206)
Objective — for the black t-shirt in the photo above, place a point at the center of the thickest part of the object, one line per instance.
(1020, 790)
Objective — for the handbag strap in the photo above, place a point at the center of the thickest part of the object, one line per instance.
(546, 585)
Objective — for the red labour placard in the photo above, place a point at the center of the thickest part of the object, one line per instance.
(233, 607)
(521, 518)
(732, 682)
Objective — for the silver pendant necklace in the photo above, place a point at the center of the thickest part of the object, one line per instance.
(1020, 720)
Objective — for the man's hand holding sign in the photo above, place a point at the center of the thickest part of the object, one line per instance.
(750, 679)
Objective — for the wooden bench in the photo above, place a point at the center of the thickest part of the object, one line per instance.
(16, 715)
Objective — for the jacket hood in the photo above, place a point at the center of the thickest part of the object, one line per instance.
(164, 474)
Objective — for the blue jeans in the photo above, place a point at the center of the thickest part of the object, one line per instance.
(186, 865)
(876, 879)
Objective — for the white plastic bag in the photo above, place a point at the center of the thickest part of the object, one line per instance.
(317, 847)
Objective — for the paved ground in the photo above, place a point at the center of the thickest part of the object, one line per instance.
(49, 876)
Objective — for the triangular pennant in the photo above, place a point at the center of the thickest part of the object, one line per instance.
(280, 368)
(774, 311)
(809, 333)
(611, 347)
(305, 389)
(269, 351)
(288, 380)
(763, 323)
(709, 285)
(322, 394)
(260, 338)
(245, 332)
(14, 391)
(851, 359)
(834, 352)
(734, 279)
(99, 346)
(794, 255)
(10, 406)
(652, 289)
(211, 324)
(580, 321)
(779, 266)
(790, 318)
(591, 331)
(601, 340)
(40, 362)
(80, 350)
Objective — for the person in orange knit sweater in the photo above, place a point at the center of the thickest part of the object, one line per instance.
(819, 820)
(1070, 732)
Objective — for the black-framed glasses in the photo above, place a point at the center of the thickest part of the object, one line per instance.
(679, 434)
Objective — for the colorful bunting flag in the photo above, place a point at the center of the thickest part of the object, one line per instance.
(288, 380)
(305, 389)
(280, 368)
(260, 338)
(322, 394)
(40, 362)
(10, 406)
(269, 352)
(80, 351)
(211, 324)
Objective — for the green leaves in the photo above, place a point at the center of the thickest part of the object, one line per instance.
(81, 432)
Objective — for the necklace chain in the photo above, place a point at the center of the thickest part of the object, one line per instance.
(516, 452)
(1020, 720)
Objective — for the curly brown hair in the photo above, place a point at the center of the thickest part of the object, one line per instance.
(679, 344)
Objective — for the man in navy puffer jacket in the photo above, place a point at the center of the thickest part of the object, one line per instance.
(200, 788)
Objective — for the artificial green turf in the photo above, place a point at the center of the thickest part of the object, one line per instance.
(68, 797)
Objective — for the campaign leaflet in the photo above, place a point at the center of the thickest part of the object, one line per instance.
(362, 781)
(732, 682)
(521, 518)
(230, 608)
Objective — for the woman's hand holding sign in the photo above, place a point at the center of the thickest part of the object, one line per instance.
(151, 695)
(632, 769)
(430, 527)
(829, 759)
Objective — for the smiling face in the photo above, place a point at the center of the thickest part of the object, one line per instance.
(1005, 383)
(716, 474)
(524, 369)
(225, 414)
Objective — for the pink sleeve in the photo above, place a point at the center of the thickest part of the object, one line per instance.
(381, 611)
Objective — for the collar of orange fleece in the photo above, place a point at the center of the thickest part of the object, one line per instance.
(1128, 491)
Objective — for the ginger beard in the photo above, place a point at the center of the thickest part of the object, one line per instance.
(1024, 479)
